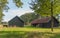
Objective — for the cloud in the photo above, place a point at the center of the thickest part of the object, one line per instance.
(20, 12)
(16, 12)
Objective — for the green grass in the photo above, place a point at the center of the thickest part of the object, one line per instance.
(25, 32)
(56, 30)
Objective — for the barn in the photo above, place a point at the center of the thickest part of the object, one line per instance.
(45, 22)
(16, 21)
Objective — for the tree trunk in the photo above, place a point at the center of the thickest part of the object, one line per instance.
(52, 23)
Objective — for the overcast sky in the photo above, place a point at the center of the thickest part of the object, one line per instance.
(14, 11)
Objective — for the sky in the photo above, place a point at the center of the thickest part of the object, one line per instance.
(14, 11)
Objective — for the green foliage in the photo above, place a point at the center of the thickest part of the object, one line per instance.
(1, 16)
(2, 7)
(18, 3)
(43, 7)
(28, 17)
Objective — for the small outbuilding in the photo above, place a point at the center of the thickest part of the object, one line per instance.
(4, 24)
(45, 22)
(16, 22)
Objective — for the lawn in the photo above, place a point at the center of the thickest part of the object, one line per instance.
(24, 32)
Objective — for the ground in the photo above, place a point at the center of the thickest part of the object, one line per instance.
(29, 32)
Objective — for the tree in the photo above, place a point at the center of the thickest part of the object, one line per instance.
(46, 8)
(43, 7)
(28, 17)
(4, 6)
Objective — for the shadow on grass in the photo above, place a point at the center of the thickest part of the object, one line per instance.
(20, 34)
(56, 35)
(11, 34)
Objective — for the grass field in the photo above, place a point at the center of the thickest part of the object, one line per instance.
(24, 32)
